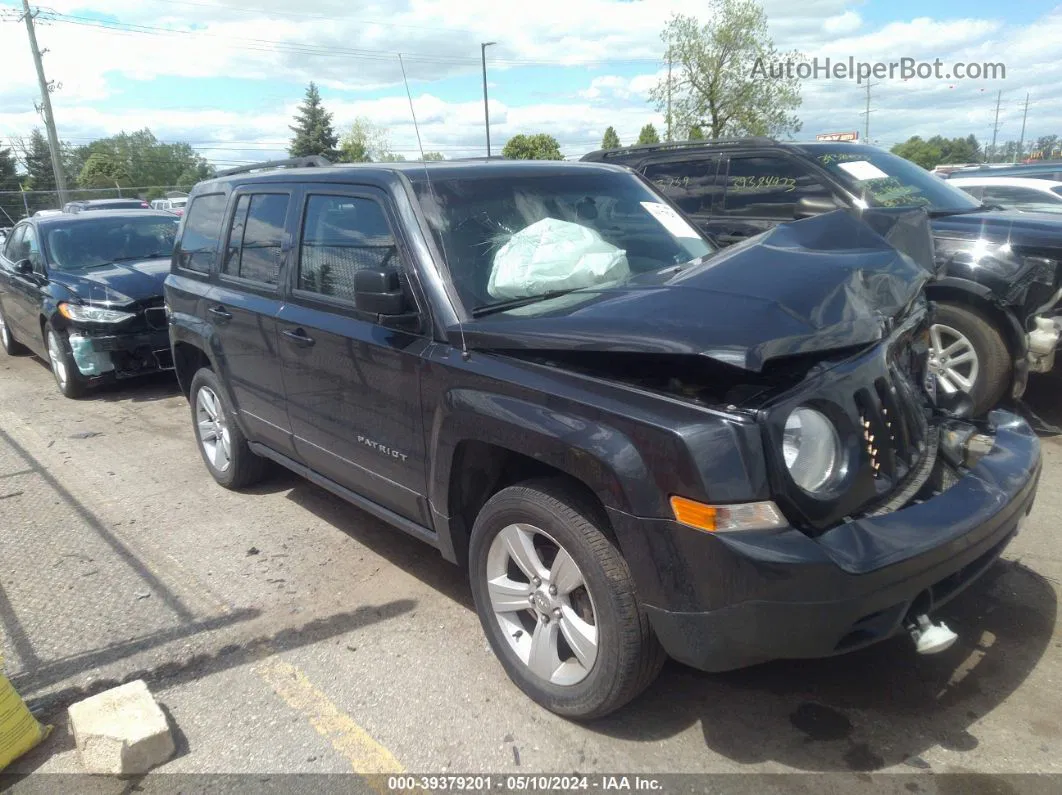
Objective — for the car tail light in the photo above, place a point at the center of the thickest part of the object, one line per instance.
(145, 205)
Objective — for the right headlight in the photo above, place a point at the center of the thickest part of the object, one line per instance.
(812, 450)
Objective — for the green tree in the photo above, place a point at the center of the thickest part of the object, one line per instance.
(102, 171)
(924, 153)
(540, 146)
(146, 160)
(1046, 146)
(429, 156)
(611, 139)
(727, 75)
(365, 142)
(648, 135)
(10, 201)
(695, 133)
(314, 134)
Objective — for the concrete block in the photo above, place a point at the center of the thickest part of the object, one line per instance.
(121, 731)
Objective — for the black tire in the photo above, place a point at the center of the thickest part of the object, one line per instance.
(244, 468)
(11, 346)
(66, 373)
(995, 368)
(628, 656)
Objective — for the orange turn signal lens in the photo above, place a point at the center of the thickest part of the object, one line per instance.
(726, 518)
(695, 514)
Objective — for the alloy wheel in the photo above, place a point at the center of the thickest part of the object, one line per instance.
(952, 359)
(213, 429)
(5, 335)
(540, 600)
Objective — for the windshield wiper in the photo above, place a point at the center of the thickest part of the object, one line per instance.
(152, 255)
(516, 303)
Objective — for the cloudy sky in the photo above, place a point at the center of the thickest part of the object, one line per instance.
(226, 75)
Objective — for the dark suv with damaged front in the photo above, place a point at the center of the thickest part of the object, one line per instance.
(999, 284)
(638, 446)
(84, 292)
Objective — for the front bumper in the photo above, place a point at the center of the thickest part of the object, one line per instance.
(121, 355)
(723, 601)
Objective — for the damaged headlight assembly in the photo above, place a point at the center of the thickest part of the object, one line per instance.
(82, 313)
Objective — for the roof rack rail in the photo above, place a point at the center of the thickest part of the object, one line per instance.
(294, 162)
(665, 145)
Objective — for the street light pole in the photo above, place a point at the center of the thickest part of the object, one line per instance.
(486, 109)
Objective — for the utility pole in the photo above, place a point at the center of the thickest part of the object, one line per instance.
(1021, 140)
(486, 108)
(995, 125)
(46, 105)
(867, 112)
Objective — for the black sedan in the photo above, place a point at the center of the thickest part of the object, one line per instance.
(85, 292)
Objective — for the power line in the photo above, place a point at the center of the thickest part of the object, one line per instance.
(271, 45)
(308, 15)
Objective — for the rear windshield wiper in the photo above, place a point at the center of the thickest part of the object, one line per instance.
(516, 303)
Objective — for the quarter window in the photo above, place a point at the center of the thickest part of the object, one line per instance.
(340, 236)
(693, 185)
(202, 229)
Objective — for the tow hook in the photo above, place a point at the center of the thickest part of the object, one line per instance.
(930, 638)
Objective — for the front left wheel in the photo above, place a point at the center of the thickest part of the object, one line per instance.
(557, 602)
(67, 377)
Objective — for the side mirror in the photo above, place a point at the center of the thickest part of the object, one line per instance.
(814, 205)
(24, 267)
(380, 293)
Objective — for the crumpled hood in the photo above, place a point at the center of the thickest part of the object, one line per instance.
(1039, 230)
(117, 283)
(812, 286)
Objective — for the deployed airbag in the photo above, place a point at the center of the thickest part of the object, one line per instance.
(552, 255)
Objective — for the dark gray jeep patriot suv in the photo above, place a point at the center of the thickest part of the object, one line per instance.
(639, 446)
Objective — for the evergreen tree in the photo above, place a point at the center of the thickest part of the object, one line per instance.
(314, 134)
(10, 202)
(611, 139)
(648, 135)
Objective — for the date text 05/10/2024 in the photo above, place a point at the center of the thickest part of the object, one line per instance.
(523, 783)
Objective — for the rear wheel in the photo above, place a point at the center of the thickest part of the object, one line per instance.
(67, 377)
(10, 345)
(222, 444)
(557, 603)
(968, 354)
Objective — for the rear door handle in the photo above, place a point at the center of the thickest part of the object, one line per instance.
(220, 313)
(299, 337)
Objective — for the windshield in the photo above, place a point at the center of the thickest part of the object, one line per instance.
(87, 244)
(882, 179)
(513, 240)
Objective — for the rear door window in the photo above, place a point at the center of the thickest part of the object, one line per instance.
(202, 230)
(769, 186)
(255, 248)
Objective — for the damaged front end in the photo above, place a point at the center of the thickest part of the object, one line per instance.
(117, 342)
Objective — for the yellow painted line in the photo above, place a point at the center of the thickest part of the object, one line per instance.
(347, 737)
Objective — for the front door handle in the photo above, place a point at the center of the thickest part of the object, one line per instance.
(222, 314)
(299, 337)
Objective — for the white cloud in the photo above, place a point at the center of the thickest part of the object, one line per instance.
(842, 23)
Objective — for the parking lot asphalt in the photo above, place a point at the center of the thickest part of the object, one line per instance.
(285, 631)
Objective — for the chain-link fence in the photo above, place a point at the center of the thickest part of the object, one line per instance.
(16, 205)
